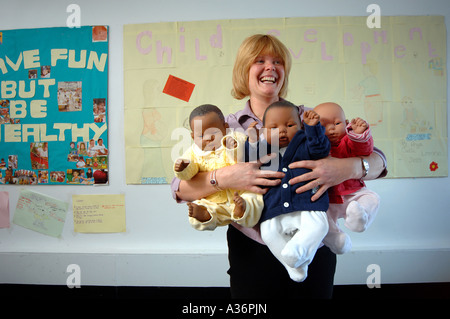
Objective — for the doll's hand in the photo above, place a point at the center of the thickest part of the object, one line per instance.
(253, 133)
(311, 118)
(180, 165)
(359, 125)
(230, 143)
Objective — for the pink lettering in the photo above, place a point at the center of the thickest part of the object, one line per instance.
(399, 48)
(216, 39)
(182, 41)
(160, 50)
(365, 48)
(412, 30)
(144, 44)
(310, 32)
(197, 51)
(377, 34)
(431, 50)
(139, 44)
(348, 38)
(296, 56)
(325, 57)
(274, 32)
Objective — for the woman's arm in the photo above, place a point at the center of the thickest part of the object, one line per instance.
(241, 176)
(195, 188)
(332, 171)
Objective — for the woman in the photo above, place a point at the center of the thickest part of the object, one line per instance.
(261, 73)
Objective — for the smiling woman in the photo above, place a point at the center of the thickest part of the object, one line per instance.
(261, 50)
(266, 76)
(261, 73)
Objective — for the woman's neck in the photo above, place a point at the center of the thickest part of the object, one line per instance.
(259, 105)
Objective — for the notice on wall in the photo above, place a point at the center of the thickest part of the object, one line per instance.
(4, 210)
(393, 76)
(53, 106)
(40, 213)
(99, 213)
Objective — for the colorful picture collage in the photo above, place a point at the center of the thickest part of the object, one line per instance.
(53, 106)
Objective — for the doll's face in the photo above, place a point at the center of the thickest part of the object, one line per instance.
(332, 117)
(208, 130)
(281, 124)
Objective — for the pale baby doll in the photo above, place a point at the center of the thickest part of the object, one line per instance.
(350, 200)
(293, 226)
(212, 149)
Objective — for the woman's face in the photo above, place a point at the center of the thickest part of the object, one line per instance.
(266, 76)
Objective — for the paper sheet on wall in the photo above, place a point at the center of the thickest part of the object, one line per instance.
(4, 210)
(53, 106)
(99, 213)
(393, 76)
(40, 213)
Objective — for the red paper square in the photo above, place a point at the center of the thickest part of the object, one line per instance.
(178, 88)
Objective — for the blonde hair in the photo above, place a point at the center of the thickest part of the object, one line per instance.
(252, 47)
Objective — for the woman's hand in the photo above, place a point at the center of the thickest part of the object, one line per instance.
(248, 176)
(240, 176)
(331, 171)
(325, 173)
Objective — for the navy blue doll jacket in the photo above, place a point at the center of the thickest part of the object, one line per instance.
(308, 144)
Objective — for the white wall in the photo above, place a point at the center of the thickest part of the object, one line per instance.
(410, 238)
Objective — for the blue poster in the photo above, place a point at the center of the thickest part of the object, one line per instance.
(53, 106)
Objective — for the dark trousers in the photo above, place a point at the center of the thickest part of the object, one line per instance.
(256, 273)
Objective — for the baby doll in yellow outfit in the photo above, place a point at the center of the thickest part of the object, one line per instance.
(212, 149)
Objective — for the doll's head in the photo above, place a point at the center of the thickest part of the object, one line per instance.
(332, 117)
(208, 126)
(281, 121)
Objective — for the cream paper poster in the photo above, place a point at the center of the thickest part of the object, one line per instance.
(393, 76)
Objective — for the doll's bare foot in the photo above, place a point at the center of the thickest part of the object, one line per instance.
(240, 205)
(198, 212)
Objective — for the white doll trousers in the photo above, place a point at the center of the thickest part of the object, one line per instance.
(294, 238)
